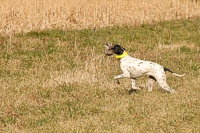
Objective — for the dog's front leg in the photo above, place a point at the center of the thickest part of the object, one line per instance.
(123, 75)
(151, 81)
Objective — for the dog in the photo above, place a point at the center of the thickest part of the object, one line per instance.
(134, 68)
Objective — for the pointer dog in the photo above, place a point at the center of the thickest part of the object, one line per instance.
(133, 68)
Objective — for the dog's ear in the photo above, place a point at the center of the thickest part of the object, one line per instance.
(123, 48)
(120, 46)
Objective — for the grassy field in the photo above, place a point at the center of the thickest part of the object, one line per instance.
(60, 81)
(28, 15)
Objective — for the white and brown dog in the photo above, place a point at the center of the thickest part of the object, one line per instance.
(133, 68)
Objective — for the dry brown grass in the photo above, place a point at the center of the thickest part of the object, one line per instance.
(60, 81)
(28, 15)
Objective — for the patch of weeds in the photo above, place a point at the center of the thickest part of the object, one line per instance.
(185, 49)
(44, 94)
(188, 117)
(44, 114)
(26, 63)
(71, 63)
(6, 55)
(9, 119)
(41, 122)
(95, 110)
(74, 110)
(2, 42)
(13, 74)
(100, 93)
(68, 87)
(195, 66)
(195, 38)
(51, 48)
(4, 72)
(28, 53)
(57, 33)
(37, 34)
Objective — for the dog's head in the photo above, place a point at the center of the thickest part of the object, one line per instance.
(111, 49)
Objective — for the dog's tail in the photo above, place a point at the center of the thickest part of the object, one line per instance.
(179, 75)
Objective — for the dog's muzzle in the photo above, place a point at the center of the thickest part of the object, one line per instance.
(107, 54)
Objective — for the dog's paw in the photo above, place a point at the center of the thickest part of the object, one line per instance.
(115, 77)
(137, 88)
(141, 88)
(172, 91)
(117, 81)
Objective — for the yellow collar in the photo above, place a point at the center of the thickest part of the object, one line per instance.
(122, 56)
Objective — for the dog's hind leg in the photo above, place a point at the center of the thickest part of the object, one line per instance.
(133, 86)
(150, 83)
(163, 84)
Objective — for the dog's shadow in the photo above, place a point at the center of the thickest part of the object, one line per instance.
(133, 91)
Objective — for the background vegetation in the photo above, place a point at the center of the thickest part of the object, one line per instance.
(29, 15)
